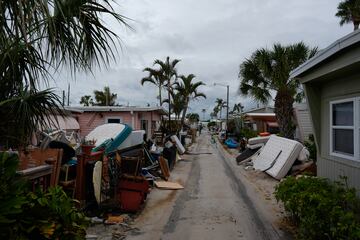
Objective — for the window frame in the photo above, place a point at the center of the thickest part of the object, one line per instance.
(107, 119)
(355, 128)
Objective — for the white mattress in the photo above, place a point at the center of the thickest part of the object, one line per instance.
(179, 146)
(257, 140)
(281, 152)
(104, 132)
(135, 138)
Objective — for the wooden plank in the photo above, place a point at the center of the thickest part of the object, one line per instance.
(168, 185)
(164, 167)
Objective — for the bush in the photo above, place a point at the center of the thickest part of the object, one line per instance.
(247, 133)
(311, 146)
(39, 215)
(321, 209)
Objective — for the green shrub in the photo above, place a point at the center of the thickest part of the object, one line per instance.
(311, 146)
(247, 133)
(320, 208)
(35, 215)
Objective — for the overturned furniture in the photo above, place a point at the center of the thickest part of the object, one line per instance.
(278, 156)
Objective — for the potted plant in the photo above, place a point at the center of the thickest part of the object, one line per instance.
(87, 146)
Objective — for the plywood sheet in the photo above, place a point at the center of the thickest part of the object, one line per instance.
(168, 185)
(164, 167)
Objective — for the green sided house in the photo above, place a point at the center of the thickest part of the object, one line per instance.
(331, 81)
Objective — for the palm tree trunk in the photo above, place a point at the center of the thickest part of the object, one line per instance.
(356, 25)
(284, 113)
(184, 112)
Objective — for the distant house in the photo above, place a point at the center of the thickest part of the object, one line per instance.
(261, 120)
(331, 80)
(139, 118)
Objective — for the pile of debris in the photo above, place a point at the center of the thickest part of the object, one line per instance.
(112, 168)
(277, 156)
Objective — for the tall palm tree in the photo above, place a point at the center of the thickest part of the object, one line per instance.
(189, 90)
(268, 71)
(169, 73)
(105, 97)
(39, 37)
(177, 103)
(220, 104)
(349, 11)
(155, 77)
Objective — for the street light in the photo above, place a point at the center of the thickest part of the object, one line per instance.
(227, 105)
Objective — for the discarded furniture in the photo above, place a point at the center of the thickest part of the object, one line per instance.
(178, 144)
(38, 176)
(164, 167)
(277, 156)
(37, 157)
(253, 149)
(67, 178)
(109, 136)
(82, 161)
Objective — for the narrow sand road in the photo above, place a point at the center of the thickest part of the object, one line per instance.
(214, 204)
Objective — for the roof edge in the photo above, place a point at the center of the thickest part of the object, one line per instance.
(324, 54)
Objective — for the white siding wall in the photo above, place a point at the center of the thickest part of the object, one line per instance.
(303, 120)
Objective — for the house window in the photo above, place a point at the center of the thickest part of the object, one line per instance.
(345, 128)
(113, 120)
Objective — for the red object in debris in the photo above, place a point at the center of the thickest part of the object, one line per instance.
(264, 134)
(132, 193)
(86, 149)
(136, 185)
(130, 201)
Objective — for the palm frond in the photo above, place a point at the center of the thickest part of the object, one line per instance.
(28, 112)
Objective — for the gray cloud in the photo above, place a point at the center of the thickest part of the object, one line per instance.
(210, 37)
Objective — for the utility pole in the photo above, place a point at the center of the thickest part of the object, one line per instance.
(227, 109)
(63, 100)
(68, 95)
(169, 106)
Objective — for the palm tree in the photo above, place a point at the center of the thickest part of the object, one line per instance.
(220, 104)
(37, 37)
(189, 90)
(193, 117)
(155, 77)
(267, 71)
(238, 108)
(26, 112)
(105, 97)
(349, 11)
(213, 114)
(86, 100)
(169, 73)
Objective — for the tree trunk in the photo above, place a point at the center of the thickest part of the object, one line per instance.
(284, 113)
(356, 25)
(184, 112)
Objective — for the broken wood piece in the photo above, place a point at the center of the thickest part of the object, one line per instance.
(168, 185)
(164, 167)
(114, 219)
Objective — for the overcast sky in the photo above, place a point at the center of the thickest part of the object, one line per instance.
(211, 38)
